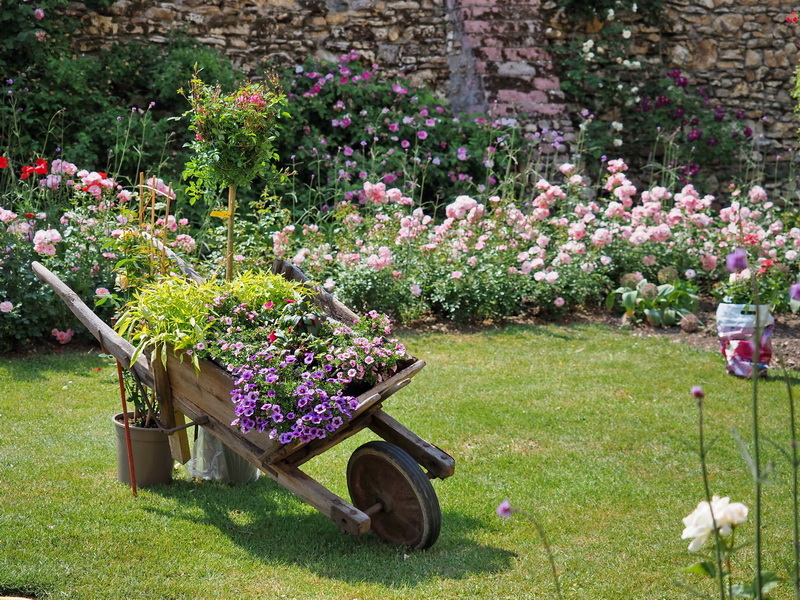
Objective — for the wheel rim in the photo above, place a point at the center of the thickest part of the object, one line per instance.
(408, 513)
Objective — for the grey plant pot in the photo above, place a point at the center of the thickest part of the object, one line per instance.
(152, 459)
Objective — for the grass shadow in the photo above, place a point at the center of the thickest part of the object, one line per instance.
(274, 526)
(31, 591)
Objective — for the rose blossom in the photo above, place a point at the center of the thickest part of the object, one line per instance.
(700, 524)
(6, 306)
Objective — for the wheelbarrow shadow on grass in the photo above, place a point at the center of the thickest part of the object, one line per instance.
(275, 526)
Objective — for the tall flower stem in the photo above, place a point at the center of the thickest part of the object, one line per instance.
(756, 452)
(704, 468)
(795, 508)
(550, 558)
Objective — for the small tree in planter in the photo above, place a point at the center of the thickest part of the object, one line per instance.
(233, 140)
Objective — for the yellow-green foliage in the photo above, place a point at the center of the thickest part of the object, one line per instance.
(175, 311)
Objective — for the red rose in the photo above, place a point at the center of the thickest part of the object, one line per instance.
(3, 162)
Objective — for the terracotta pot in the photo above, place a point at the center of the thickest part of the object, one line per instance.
(152, 459)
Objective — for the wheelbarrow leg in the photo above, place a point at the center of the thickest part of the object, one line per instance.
(435, 460)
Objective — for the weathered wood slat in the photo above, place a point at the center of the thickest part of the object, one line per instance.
(434, 459)
(115, 345)
(210, 392)
(341, 512)
(170, 417)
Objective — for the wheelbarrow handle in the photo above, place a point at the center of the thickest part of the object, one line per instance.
(112, 342)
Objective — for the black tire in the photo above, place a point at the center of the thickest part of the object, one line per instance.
(380, 472)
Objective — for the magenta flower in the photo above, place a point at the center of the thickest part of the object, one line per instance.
(422, 134)
(505, 510)
(736, 260)
(39, 14)
(698, 392)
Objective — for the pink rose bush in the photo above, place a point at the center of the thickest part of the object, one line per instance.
(491, 256)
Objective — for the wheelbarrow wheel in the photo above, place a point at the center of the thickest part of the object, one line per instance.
(387, 483)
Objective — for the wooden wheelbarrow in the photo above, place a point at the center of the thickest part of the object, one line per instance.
(391, 494)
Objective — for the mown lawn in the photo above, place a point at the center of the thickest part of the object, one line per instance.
(592, 430)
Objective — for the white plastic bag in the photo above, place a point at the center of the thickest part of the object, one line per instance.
(214, 461)
(736, 324)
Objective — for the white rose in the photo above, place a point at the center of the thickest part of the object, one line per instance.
(700, 524)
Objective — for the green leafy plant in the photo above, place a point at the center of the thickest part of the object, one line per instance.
(659, 305)
(174, 312)
(233, 143)
(112, 110)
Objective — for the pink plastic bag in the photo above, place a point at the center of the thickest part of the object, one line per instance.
(736, 324)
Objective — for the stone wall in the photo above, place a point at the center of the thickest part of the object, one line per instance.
(485, 54)
(409, 36)
(742, 52)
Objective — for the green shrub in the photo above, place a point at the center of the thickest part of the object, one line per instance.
(353, 123)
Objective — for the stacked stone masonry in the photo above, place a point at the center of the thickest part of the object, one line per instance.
(484, 54)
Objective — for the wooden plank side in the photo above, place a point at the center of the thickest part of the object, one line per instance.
(115, 345)
(223, 431)
(210, 391)
(434, 459)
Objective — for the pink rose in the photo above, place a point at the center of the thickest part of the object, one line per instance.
(6, 306)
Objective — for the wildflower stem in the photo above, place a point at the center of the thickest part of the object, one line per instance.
(756, 454)
(717, 537)
(550, 558)
(795, 511)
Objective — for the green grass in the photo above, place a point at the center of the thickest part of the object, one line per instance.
(593, 431)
